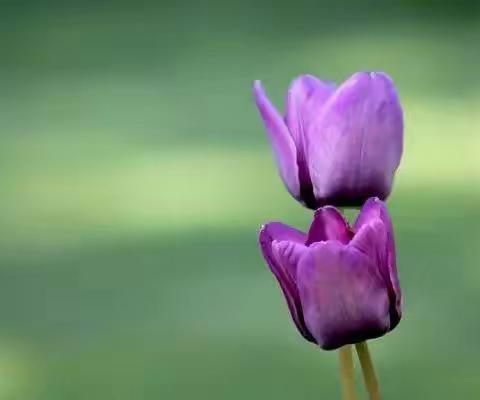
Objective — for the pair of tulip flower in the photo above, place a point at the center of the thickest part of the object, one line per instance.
(337, 147)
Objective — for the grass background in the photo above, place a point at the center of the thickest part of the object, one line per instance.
(135, 174)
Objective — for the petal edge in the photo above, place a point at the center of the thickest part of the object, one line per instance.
(281, 141)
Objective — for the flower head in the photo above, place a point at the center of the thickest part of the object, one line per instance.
(340, 282)
(336, 145)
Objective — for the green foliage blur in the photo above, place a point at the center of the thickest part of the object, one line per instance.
(135, 173)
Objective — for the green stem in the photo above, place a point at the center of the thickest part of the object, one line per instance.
(347, 373)
(369, 376)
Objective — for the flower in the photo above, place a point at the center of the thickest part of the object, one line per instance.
(340, 283)
(336, 145)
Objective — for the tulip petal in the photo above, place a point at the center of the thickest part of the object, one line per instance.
(343, 296)
(282, 247)
(280, 139)
(371, 240)
(305, 98)
(355, 144)
(329, 224)
(375, 210)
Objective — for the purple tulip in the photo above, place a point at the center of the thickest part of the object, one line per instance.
(340, 283)
(336, 145)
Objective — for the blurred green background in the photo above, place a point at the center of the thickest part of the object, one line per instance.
(135, 173)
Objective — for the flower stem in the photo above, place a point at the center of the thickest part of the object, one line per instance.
(369, 376)
(347, 373)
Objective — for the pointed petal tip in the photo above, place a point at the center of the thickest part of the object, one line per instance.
(261, 230)
(275, 230)
(258, 90)
(326, 209)
(300, 79)
(266, 228)
(371, 75)
(269, 224)
(329, 211)
(371, 78)
(328, 224)
(257, 84)
(374, 200)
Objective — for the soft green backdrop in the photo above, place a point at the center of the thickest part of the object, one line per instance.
(135, 174)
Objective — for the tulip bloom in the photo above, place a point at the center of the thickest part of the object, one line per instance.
(336, 145)
(340, 283)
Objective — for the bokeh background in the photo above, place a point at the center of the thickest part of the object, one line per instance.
(135, 173)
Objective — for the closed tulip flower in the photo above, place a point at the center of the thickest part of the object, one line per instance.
(340, 282)
(337, 145)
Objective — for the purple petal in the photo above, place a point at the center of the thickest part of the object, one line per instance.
(376, 210)
(282, 247)
(305, 99)
(343, 296)
(329, 224)
(280, 139)
(355, 144)
(371, 240)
